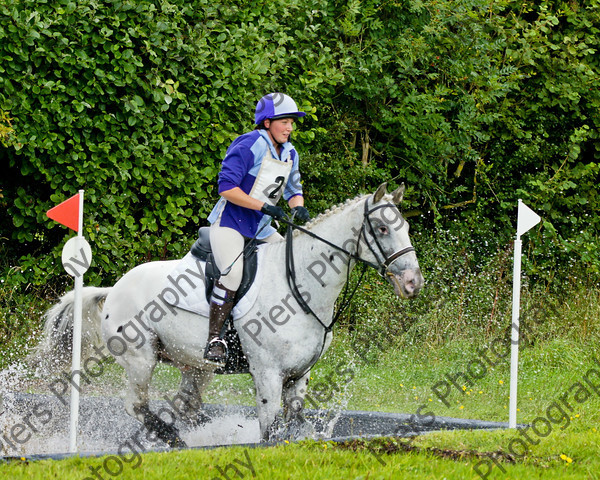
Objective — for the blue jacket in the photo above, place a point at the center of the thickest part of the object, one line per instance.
(239, 169)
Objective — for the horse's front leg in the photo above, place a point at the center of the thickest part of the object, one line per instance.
(268, 399)
(294, 393)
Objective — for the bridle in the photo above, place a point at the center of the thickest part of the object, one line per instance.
(382, 266)
(384, 262)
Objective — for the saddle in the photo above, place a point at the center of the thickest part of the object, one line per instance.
(201, 249)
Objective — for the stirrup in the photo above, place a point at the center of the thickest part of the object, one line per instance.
(213, 359)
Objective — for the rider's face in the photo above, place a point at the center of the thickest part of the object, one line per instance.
(280, 129)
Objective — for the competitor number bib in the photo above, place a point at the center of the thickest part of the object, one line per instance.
(271, 179)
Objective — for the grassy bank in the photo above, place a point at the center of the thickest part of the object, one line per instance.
(561, 446)
(444, 354)
(325, 461)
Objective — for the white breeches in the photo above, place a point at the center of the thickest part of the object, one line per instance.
(227, 244)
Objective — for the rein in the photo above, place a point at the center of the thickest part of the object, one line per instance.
(381, 267)
(291, 274)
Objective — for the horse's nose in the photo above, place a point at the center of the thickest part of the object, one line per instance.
(413, 282)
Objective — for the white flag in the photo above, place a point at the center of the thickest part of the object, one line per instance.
(526, 219)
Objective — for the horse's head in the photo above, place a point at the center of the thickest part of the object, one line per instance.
(385, 242)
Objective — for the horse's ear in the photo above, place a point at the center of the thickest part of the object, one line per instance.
(398, 194)
(380, 192)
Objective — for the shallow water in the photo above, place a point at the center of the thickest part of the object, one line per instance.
(38, 424)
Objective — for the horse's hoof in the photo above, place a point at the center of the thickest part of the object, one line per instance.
(198, 420)
(291, 430)
(303, 430)
(202, 419)
(176, 443)
(168, 433)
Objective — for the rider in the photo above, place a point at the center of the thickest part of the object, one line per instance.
(259, 167)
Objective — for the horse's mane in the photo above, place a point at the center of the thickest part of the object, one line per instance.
(332, 211)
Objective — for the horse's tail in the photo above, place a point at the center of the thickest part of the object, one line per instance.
(54, 350)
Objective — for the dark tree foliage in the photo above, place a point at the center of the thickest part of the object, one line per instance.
(473, 104)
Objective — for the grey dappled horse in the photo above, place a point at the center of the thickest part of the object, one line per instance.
(368, 228)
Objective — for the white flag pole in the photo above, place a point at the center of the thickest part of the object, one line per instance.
(76, 360)
(514, 337)
(526, 219)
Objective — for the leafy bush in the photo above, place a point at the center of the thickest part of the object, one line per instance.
(474, 104)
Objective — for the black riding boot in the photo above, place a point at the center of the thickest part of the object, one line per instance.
(221, 304)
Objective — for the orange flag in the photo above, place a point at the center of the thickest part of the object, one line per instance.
(66, 213)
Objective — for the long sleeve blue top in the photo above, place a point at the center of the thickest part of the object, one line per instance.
(239, 169)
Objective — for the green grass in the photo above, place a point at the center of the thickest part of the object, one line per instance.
(422, 343)
(436, 456)
(399, 381)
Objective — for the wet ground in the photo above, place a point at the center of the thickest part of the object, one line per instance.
(33, 425)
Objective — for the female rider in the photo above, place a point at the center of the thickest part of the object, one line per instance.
(259, 167)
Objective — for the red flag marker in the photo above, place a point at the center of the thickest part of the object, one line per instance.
(76, 257)
(66, 213)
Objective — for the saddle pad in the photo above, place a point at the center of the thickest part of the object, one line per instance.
(187, 279)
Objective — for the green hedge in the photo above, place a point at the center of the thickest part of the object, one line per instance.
(474, 104)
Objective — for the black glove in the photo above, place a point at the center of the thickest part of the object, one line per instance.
(273, 211)
(301, 214)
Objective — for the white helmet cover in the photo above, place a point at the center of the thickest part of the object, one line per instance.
(276, 105)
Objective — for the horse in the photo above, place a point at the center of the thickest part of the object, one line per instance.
(281, 344)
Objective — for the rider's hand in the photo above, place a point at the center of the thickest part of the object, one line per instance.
(301, 214)
(273, 211)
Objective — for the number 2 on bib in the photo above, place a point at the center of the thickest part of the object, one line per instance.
(277, 186)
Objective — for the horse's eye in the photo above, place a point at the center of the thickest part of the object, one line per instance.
(383, 230)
